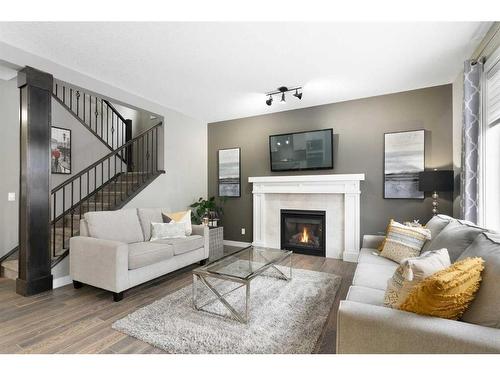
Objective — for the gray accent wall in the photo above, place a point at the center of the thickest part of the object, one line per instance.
(359, 127)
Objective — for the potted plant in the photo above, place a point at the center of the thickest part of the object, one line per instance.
(208, 208)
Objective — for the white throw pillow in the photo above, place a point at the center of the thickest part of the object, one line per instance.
(410, 272)
(160, 231)
(180, 217)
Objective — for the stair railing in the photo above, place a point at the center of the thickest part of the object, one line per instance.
(97, 114)
(103, 185)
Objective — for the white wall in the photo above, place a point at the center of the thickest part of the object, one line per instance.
(9, 164)
(184, 138)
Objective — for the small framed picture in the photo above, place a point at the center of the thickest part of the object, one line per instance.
(60, 153)
(404, 158)
(229, 161)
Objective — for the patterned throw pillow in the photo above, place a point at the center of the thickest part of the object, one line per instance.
(403, 242)
(179, 217)
(447, 293)
(410, 272)
(160, 231)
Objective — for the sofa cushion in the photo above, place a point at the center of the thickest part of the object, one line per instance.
(148, 216)
(183, 245)
(411, 272)
(161, 231)
(455, 237)
(436, 225)
(372, 256)
(403, 241)
(366, 295)
(142, 254)
(119, 225)
(485, 309)
(373, 275)
(179, 217)
(448, 292)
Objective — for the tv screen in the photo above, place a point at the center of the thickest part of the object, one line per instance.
(302, 150)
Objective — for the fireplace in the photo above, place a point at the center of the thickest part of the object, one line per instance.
(303, 231)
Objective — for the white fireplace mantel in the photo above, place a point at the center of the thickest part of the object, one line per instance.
(327, 190)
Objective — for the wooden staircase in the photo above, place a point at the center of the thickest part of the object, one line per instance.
(107, 184)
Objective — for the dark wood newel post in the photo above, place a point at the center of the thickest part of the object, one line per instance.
(128, 137)
(34, 203)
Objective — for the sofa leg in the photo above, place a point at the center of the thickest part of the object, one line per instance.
(117, 297)
(203, 262)
(77, 284)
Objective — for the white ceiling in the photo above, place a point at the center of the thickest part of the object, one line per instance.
(220, 71)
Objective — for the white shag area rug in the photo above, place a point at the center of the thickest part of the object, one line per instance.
(285, 317)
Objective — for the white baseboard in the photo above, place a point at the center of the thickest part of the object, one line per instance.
(236, 243)
(61, 281)
(350, 256)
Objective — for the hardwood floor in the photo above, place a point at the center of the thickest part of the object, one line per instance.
(68, 320)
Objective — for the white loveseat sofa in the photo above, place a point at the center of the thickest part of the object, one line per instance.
(114, 251)
(364, 325)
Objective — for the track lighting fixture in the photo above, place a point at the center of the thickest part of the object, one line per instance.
(297, 94)
(282, 90)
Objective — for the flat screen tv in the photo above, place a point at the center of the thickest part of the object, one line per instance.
(302, 150)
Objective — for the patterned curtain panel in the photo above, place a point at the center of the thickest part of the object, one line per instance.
(470, 139)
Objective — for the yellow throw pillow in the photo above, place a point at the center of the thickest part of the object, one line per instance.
(403, 242)
(447, 293)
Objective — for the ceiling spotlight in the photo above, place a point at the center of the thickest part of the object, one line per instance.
(297, 94)
(283, 90)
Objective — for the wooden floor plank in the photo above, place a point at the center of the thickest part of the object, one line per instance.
(67, 320)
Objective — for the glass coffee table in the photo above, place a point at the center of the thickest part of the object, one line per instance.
(240, 268)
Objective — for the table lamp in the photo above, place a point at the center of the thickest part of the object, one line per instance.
(434, 181)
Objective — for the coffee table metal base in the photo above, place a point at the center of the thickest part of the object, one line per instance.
(202, 278)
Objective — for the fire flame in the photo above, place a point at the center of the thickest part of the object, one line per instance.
(305, 236)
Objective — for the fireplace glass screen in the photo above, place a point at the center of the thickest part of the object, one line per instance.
(303, 231)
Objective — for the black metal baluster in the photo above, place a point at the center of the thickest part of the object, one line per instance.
(95, 188)
(64, 94)
(156, 141)
(109, 183)
(54, 227)
(63, 215)
(83, 107)
(96, 114)
(71, 98)
(107, 124)
(56, 89)
(72, 209)
(102, 120)
(88, 190)
(102, 185)
(78, 103)
(116, 178)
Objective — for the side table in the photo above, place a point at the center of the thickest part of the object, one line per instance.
(216, 242)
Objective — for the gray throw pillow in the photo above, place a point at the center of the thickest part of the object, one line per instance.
(436, 225)
(455, 237)
(485, 308)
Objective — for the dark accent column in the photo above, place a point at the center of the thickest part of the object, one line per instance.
(128, 137)
(34, 203)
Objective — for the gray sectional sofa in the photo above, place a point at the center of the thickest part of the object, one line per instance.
(114, 251)
(366, 326)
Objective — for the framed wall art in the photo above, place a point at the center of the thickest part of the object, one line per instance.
(229, 161)
(404, 158)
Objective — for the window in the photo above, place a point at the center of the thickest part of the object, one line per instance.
(490, 176)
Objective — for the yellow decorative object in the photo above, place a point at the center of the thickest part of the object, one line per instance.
(447, 293)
